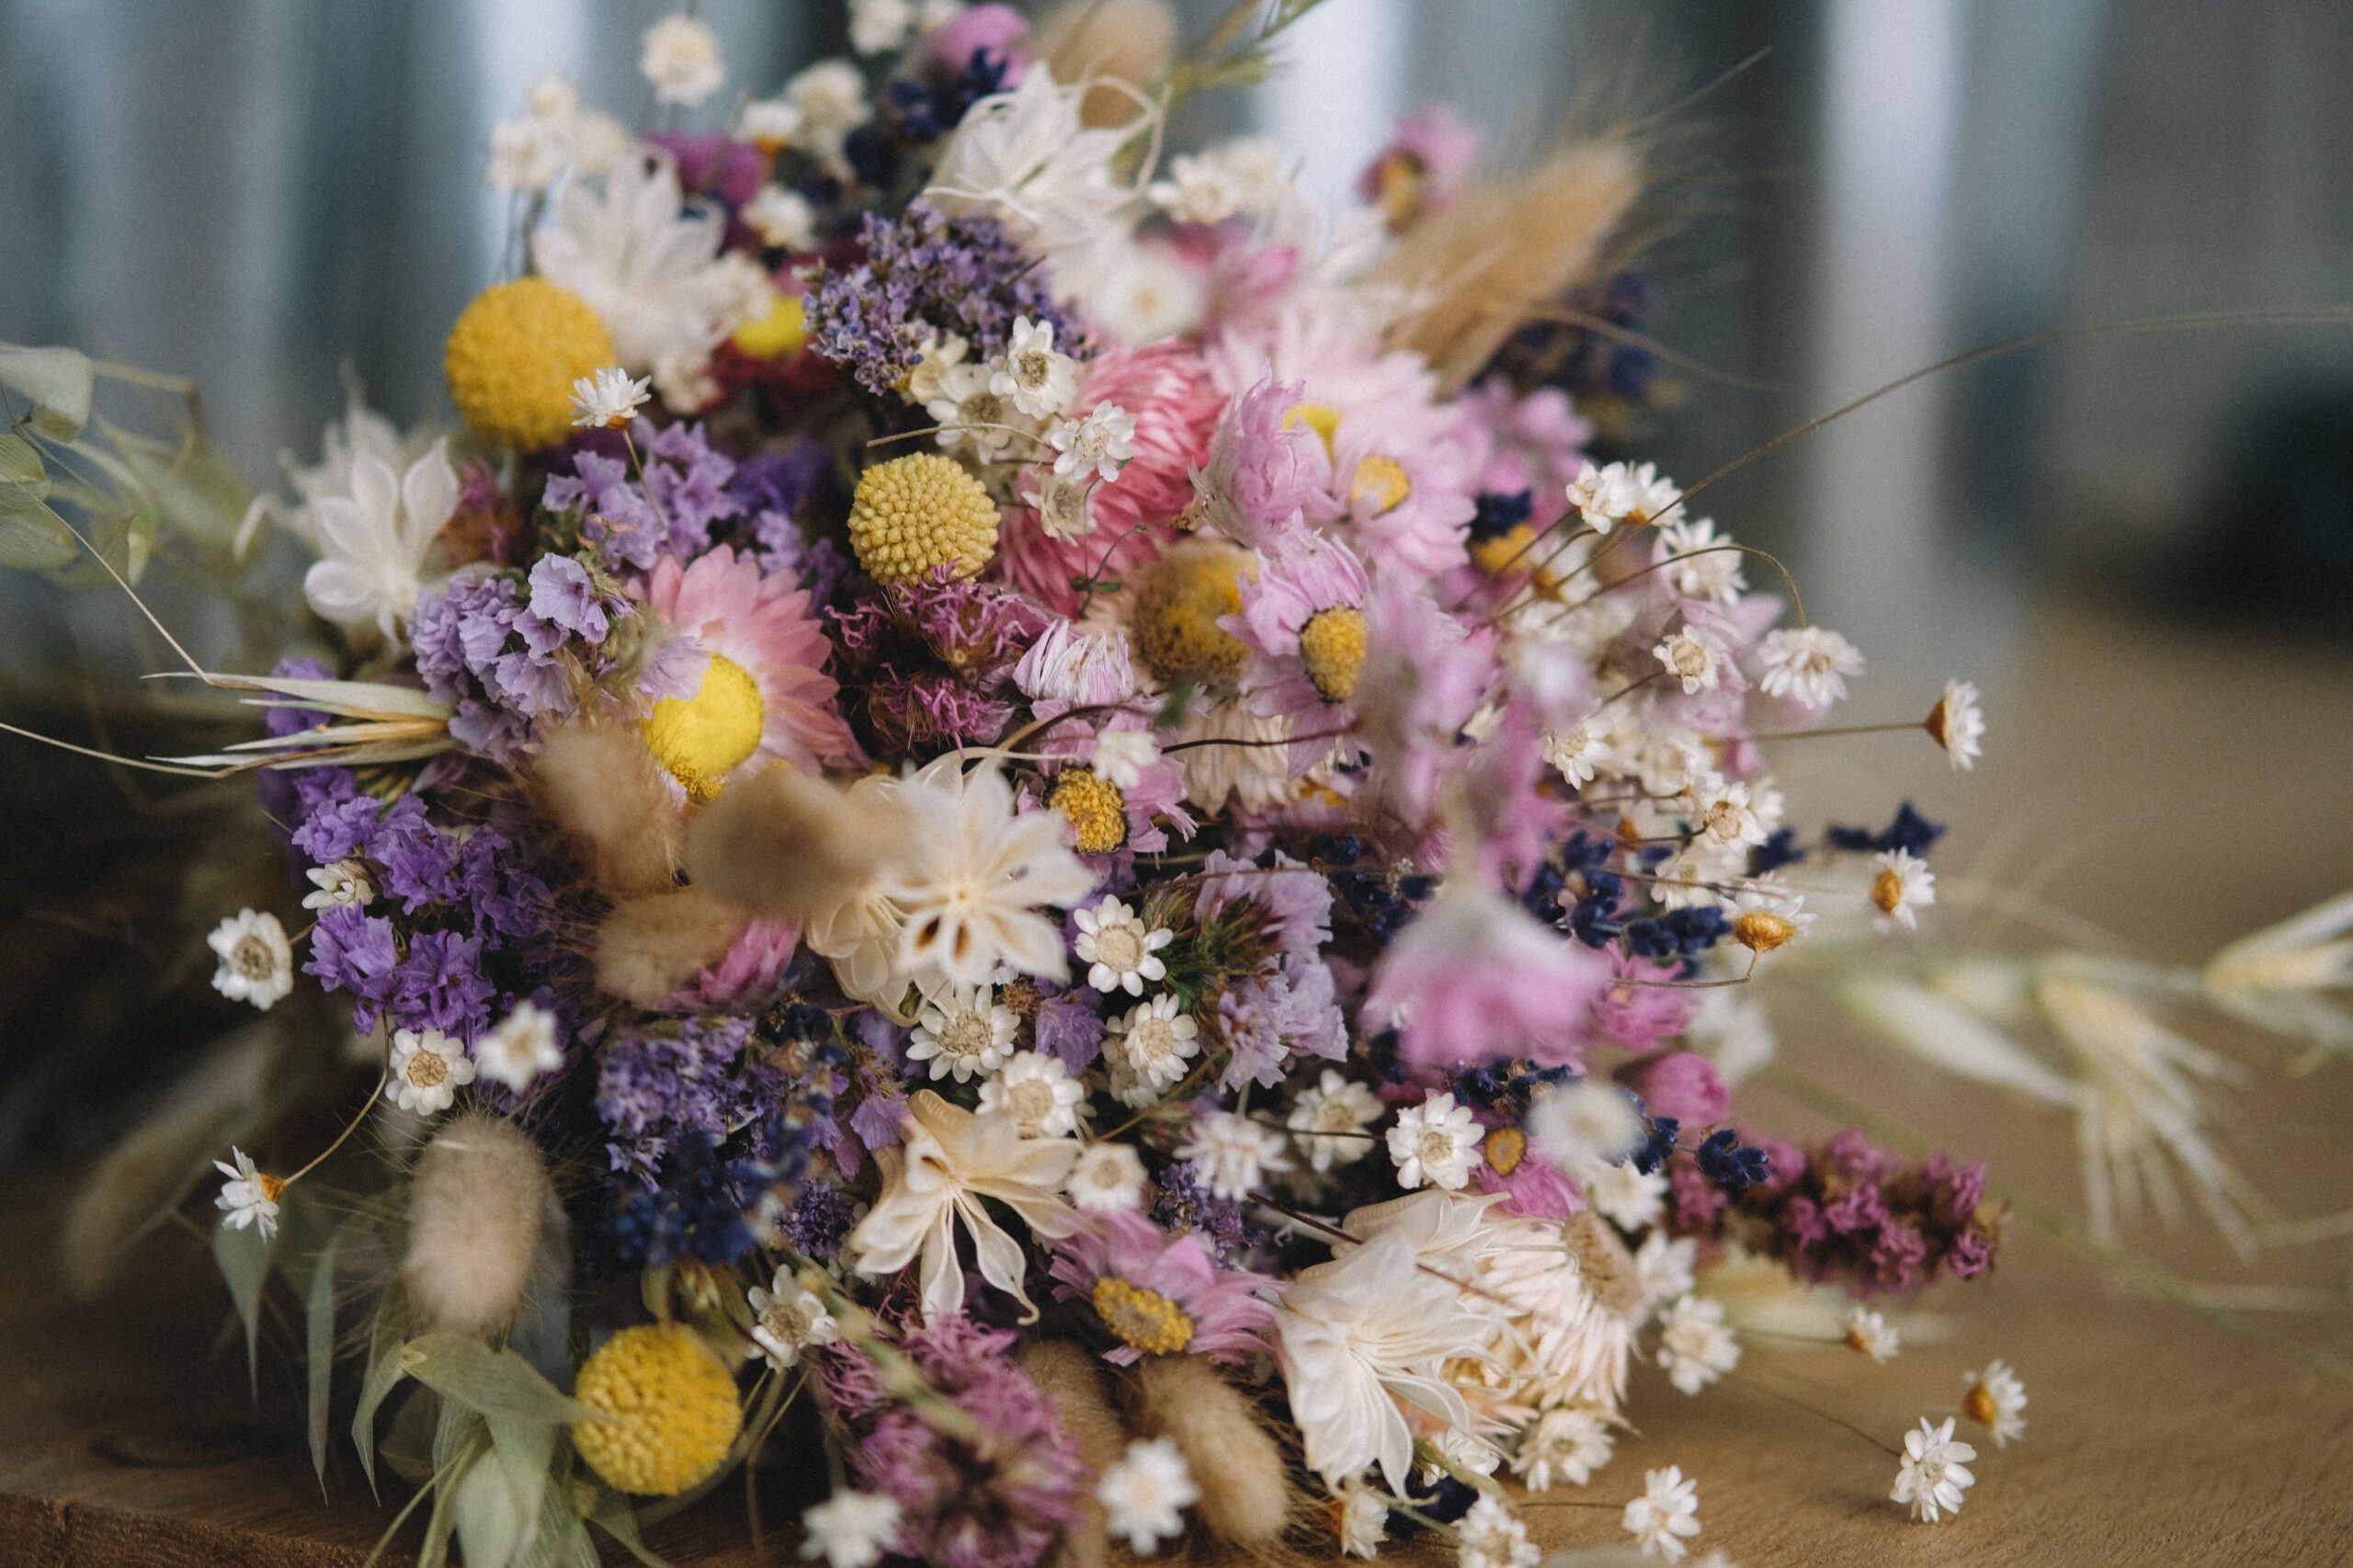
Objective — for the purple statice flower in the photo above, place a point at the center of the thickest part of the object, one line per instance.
(1285, 1012)
(439, 986)
(679, 1081)
(1069, 1028)
(925, 275)
(483, 650)
(821, 1217)
(688, 480)
(615, 516)
(1224, 1312)
(703, 1209)
(1295, 900)
(564, 601)
(354, 951)
(1183, 1205)
(335, 829)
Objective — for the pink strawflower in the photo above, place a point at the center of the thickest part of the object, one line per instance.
(1424, 677)
(1535, 443)
(1534, 1188)
(1475, 978)
(949, 48)
(1219, 1312)
(1439, 145)
(1303, 578)
(1680, 1084)
(729, 608)
(1260, 471)
(744, 979)
(1641, 1017)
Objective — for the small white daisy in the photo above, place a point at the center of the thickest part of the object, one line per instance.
(428, 1068)
(963, 1032)
(608, 400)
(1038, 1091)
(1903, 886)
(1120, 951)
(1654, 497)
(971, 418)
(1108, 1179)
(1102, 442)
(1767, 915)
(1996, 1400)
(521, 1048)
(526, 154)
(1872, 1334)
(1665, 1515)
(1622, 1194)
(1808, 664)
(1329, 1120)
(787, 1320)
(1145, 1494)
(850, 1529)
(1491, 1536)
(782, 218)
(1579, 752)
(1232, 1155)
(1958, 724)
(1363, 1520)
(1603, 497)
(1700, 563)
(1720, 811)
(877, 27)
(1934, 1471)
(1040, 382)
(1433, 1143)
(1464, 1453)
(257, 962)
(1063, 507)
(346, 881)
(1695, 1348)
(1149, 1046)
(1566, 1444)
(249, 1196)
(1691, 659)
(1666, 1267)
(681, 57)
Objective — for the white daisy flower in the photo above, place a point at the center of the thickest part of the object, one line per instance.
(1902, 886)
(648, 262)
(346, 881)
(1579, 752)
(830, 99)
(1145, 1494)
(1695, 1348)
(1622, 1194)
(1491, 1536)
(1363, 1520)
(257, 962)
(769, 124)
(878, 27)
(1566, 1444)
(1038, 1092)
(850, 1529)
(1120, 951)
(1691, 659)
(428, 1068)
(1872, 1334)
(249, 1196)
(1232, 1155)
(1958, 724)
(1808, 664)
(608, 400)
(680, 55)
(1328, 1120)
(782, 219)
(1433, 1143)
(526, 154)
(1062, 506)
(1148, 1047)
(521, 1048)
(1603, 497)
(963, 1032)
(1108, 1179)
(970, 416)
(1996, 1400)
(1037, 379)
(1664, 1267)
(1934, 1471)
(1665, 1515)
(1100, 443)
(787, 1320)
(1700, 563)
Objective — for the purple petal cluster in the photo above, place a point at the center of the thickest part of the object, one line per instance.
(500, 658)
(693, 1077)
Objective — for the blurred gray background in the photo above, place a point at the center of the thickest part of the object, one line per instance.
(258, 193)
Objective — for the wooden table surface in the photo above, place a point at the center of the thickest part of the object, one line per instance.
(2156, 1437)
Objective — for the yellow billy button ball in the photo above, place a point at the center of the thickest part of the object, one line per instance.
(919, 512)
(701, 739)
(1180, 599)
(670, 1410)
(1096, 810)
(1331, 646)
(513, 357)
(781, 332)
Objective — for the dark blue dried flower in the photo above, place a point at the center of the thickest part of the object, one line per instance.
(1724, 1160)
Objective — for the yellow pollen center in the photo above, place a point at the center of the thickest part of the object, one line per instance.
(1144, 1319)
(1177, 606)
(1095, 807)
(425, 1069)
(1887, 892)
(1760, 931)
(1978, 1405)
(1383, 480)
(1506, 1146)
(1332, 646)
(1513, 551)
(701, 739)
(1319, 417)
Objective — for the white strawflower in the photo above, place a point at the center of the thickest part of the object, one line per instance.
(1720, 811)
(1622, 1194)
(1433, 1143)
(1149, 1046)
(553, 98)
(1579, 752)
(1108, 1179)
(1603, 497)
(1665, 1515)
(1038, 1092)
(257, 962)
(1695, 1348)
(249, 1196)
(829, 100)
(1958, 724)
(1363, 1521)
(1062, 505)
(1566, 1444)
(680, 55)
(1120, 951)
(787, 1320)
(782, 218)
(1872, 1334)
(1934, 1473)
(963, 1032)
(1691, 659)
(1808, 664)
(1329, 1119)
(527, 153)
(521, 1048)
(1145, 1494)
(1201, 188)
(608, 400)
(971, 418)
(1232, 1155)
(1700, 563)
(1464, 1453)
(1037, 379)
(1666, 1267)
(1102, 442)
(850, 1529)
(1996, 1400)
(346, 881)
(428, 1068)
(648, 262)
(1489, 1536)
(1903, 886)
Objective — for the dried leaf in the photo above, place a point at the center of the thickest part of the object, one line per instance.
(245, 1259)
(490, 1382)
(319, 1323)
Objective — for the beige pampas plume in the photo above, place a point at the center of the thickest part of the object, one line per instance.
(1246, 1497)
(788, 844)
(601, 785)
(1123, 41)
(1507, 249)
(476, 1203)
(1073, 1380)
(649, 946)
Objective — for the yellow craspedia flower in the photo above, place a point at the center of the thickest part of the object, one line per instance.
(781, 332)
(701, 739)
(1174, 623)
(917, 512)
(513, 357)
(1332, 647)
(1096, 810)
(673, 1410)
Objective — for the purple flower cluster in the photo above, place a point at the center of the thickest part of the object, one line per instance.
(691, 1079)
(929, 665)
(925, 275)
(1847, 1211)
(499, 652)
(999, 1498)
(1286, 1011)
(685, 493)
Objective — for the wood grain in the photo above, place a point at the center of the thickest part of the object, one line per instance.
(127, 1435)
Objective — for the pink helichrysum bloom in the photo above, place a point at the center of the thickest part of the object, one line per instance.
(1067, 667)
(1423, 676)
(1168, 390)
(1439, 145)
(1261, 468)
(1636, 1011)
(949, 48)
(1475, 978)
(1680, 1084)
(1302, 621)
(1170, 1295)
(744, 979)
(762, 625)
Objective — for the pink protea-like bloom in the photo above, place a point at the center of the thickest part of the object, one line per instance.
(1302, 621)
(1261, 471)
(1161, 1294)
(1168, 390)
(1476, 979)
(762, 626)
(1680, 1084)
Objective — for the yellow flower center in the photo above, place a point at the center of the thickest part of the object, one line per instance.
(669, 1407)
(1319, 417)
(781, 332)
(1144, 1319)
(1174, 623)
(1515, 550)
(1506, 1146)
(701, 739)
(1095, 807)
(1382, 479)
(919, 512)
(1887, 890)
(1978, 1405)
(1761, 930)
(425, 1069)
(513, 356)
(1332, 646)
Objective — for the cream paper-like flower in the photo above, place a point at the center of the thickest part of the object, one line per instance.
(373, 543)
(680, 55)
(1038, 1092)
(932, 1185)
(850, 1529)
(1033, 375)
(1566, 1444)
(628, 249)
(1665, 1515)
(1808, 664)
(345, 881)
(787, 1320)
(1996, 1400)
(522, 1047)
(1026, 159)
(249, 1196)
(1145, 1493)
(1934, 1471)
(1231, 1153)
(1490, 1536)
(1695, 1348)
(1147, 1048)
(257, 962)
(1363, 1520)
(1433, 1141)
(1108, 1179)
(428, 1069)
(1328, 1120)
(1872, 1334)
(1120, 950)
(608, 400)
